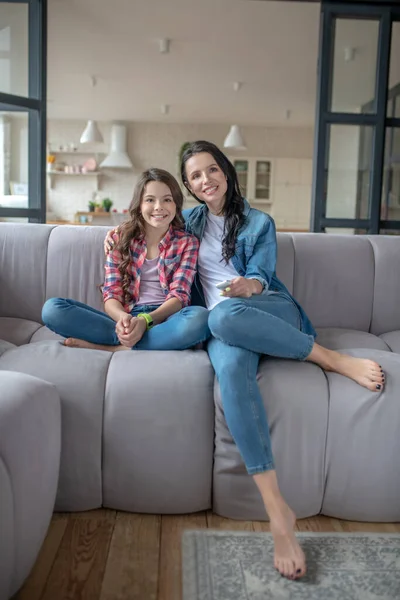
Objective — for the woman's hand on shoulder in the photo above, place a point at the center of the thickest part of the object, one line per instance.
(240, 287)
(109, 240)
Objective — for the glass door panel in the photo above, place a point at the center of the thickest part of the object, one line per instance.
(14, 160)
(263, 180)
(242, 170)
(354, 65)
(390, 207)
(394, 74)
(349, 171)
(14, 48)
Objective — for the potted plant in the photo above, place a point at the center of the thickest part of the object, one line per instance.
(92, 205)
(107, 204)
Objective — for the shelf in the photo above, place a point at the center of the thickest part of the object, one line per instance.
(260, 201)
(76, 174)
(51, 174)
(76, 152)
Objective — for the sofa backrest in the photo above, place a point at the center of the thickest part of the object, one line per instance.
(340, 280)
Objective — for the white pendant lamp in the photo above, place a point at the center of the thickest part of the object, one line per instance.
(118, 156)
(91, 133)
(234, 139)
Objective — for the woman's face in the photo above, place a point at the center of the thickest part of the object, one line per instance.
(206, 180)
(158, 207)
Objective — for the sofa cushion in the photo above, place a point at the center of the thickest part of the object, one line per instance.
(386, 307)
(30, 440)
(158, 437)
(17, 331)
(80, 378)
(76, 264)
(344, 339)
(363, 446)
(285, 261)
(23, 266)
(44, 334)
(4, 346)
(296, 398)
(334, 279)
(392, 339)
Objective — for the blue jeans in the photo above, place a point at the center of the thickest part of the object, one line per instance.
(71, 318)
(244, 329)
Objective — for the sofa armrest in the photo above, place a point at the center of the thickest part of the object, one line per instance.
(30, 442)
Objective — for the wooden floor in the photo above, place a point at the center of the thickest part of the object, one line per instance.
(109, 555)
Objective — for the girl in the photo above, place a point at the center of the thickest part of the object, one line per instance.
(148, 277)
(253, 316)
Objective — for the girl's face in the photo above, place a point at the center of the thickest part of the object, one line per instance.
(206, 180)
(157, 206)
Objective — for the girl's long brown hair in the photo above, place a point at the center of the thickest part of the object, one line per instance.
(134, 226)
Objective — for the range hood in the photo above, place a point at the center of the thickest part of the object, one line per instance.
(118, 157)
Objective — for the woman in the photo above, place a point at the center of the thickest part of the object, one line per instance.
(253, 316)
(148, 278)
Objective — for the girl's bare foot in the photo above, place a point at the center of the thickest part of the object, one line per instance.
(77, 343)
(289, 558)
(364, 371)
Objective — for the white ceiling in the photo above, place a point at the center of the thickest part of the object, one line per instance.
(272, 47)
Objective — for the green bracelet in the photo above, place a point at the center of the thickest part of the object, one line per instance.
(148, 319)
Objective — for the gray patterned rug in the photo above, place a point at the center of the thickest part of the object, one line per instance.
(225, 565)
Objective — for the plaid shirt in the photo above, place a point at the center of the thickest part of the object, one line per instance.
(176, 268)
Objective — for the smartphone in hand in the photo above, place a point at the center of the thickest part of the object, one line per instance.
(223, 285)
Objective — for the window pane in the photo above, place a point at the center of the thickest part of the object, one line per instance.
(14, 48)
(354, 66)
(389, 232)
(390, 207)
(14, 160)
(349, 171)
(14, 220)
(394, 73)
(345, 231)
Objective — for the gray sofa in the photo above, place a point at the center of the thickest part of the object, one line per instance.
(147, 434)
(30, 442)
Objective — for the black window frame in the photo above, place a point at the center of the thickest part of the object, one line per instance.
(387, 14)
(35, 105)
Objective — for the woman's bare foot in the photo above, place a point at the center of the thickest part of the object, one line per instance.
(77, 343)
(289, 558)
(362, 370)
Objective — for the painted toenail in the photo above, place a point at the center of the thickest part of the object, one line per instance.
(378, 387)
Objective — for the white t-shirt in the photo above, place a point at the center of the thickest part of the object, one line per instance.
(150, 291)
(212, 267)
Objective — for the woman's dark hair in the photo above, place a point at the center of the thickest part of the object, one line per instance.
(233, 209)
(134, 226)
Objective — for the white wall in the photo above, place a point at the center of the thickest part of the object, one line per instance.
(158, 144)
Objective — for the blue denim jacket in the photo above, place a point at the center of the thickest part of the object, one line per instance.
(255, 255)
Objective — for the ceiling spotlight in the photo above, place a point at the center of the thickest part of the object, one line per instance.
(165, 109)
(237, 85)
(164, 45)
